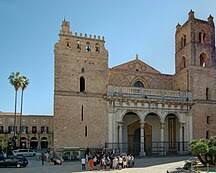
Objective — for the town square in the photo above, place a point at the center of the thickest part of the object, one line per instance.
(106, 86)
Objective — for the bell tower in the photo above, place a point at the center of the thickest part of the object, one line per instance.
(81, 73)
(195, 43)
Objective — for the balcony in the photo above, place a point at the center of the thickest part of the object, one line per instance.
(134, 92)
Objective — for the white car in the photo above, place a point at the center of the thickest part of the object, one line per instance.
(24, 152)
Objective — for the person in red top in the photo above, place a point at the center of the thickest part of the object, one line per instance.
(91, 164)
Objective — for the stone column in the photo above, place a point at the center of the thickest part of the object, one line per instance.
(142, 138)
(181, 137)
(110, 127)
(162, 152)
(120, 124)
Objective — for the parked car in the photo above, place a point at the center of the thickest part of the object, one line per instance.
(24, 152)
(13, 161)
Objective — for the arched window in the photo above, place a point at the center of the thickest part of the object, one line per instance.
(202, 37)
(97, 48)
(138, 84)
(88, 47)
(203, 60)
(82, 84)
(78, 45)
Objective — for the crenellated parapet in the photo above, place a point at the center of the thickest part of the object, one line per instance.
(80, 42)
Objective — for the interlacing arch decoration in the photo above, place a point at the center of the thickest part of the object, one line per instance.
(139, 82)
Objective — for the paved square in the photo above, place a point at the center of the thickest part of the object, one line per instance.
(152, 165)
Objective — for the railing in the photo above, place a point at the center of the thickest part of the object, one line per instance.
(155, 148)
(148, 93)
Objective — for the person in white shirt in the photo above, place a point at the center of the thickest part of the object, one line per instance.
(83, 161)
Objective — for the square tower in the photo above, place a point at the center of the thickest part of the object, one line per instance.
(81, 69)
(195, 60)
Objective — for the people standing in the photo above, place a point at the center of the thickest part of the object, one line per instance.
(83, 161)
(91, 164)
(43, 158)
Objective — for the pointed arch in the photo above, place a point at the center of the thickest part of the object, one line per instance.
(139, 82)
(203, 59)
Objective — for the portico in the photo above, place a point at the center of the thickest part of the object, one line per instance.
(141, 124)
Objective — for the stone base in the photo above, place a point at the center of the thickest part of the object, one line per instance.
(142, 153)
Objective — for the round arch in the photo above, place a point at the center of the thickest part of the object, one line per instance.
(123, 113)
(152, 113)
(171, 114)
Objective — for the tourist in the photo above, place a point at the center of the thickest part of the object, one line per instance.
(83, 161)
(124, 162)
(115, 163)
(120, 162)
(42, 158)
(132, 161)
(91, 164)
(95, 161)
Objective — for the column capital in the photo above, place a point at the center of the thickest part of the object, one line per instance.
(142, 124)
(162, 125)
(120, 123)
(181, 124)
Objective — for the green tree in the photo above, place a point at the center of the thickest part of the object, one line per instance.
(15, 80)
(24, 84)
(205, 150)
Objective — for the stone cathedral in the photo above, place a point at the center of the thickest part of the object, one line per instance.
(133, 107)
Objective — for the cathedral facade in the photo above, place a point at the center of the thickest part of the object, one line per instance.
(133, 107)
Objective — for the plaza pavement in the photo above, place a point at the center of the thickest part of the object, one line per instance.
(147, 164)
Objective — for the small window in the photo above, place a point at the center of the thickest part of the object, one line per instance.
(88, 47)
(183, 63)
(207, 93)
(200, 37)
(24, 129)
(208, 119)
(82, 113)
(1, 129)
(184, 40)
(82, 84)
(138, 84)
(11, 129)
(207, 134)
(34, 129)
(82, 70)
(86, 131)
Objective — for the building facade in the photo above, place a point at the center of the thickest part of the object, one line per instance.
(36, 130)
(133, 107)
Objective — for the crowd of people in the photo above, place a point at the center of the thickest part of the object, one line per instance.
(107, 161)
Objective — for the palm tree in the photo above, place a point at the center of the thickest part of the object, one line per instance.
(15, 80)
(25, 83)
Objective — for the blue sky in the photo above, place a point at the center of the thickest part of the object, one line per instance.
(29, 29)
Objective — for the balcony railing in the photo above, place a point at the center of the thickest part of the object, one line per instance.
(149, 93)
